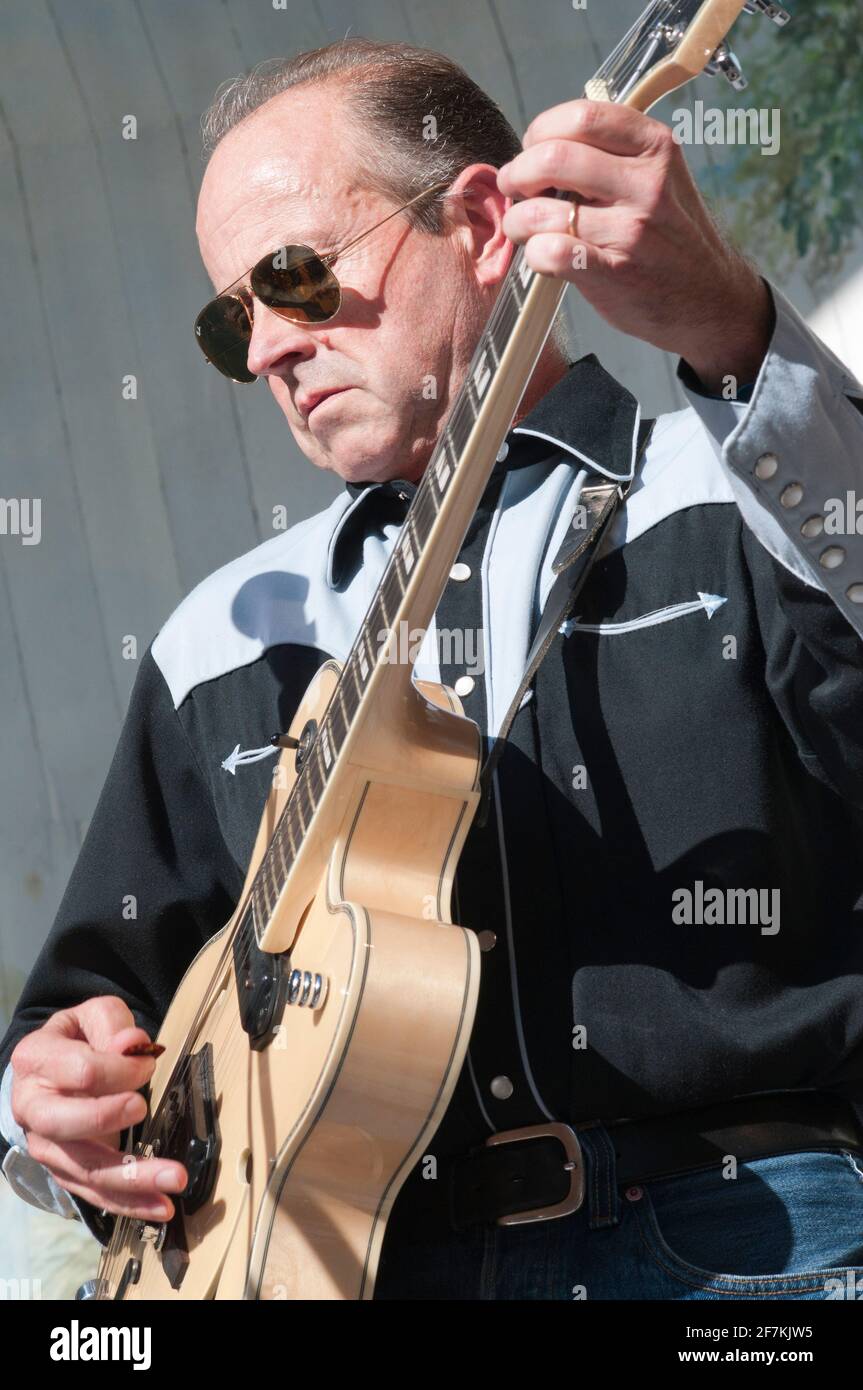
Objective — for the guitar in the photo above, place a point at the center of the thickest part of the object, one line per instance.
(314, 1043)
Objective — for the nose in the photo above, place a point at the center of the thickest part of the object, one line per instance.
(275, 338)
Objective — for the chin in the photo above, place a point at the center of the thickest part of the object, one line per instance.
(357, 459)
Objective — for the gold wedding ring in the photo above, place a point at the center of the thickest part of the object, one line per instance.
(573, 213)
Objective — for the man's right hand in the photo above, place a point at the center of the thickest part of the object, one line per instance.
(74, 1093)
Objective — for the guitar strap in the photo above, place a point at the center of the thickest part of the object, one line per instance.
(598, 504)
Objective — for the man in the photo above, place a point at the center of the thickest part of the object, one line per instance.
(668, 883)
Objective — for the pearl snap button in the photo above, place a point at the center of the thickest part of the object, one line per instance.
(855, 593)
(502, 452)
(791, 495)
(832, 557)
(812, 526)
(502, 1088)
(766, 466)
(460, 571)
(464, 685)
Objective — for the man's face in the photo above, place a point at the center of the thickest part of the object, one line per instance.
(413, 305)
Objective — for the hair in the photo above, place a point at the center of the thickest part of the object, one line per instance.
(426, 118)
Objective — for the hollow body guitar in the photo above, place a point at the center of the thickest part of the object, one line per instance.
(317, 1129)
(314, 1043)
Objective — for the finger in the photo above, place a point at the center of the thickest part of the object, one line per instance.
(603, 228)
(560, 163)
(72, 1065)
(95, 1018)
(105, 1016)
(563, 257)
(46, 1112)
(144, 1208)
(535, 215)
(94, 1165)
(617, 129)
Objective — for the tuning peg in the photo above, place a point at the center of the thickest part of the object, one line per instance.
(774, 12)
(726, 63)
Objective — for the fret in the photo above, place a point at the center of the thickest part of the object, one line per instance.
(414, 516)
(365, 663)
(268, 911)
(443, 468)
(408, 554)
(350, 704)
(336, 708)
(427, 511)
(280, 850)
(291, 841)
(322, 766)
(391, 589)
(270, 870)
(393, 578)
(357, 674)
(482, 374)
(317, 772)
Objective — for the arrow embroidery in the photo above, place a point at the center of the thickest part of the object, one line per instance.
(249, 755)
(707, 603)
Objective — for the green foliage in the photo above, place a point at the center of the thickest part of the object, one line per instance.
(801, 206)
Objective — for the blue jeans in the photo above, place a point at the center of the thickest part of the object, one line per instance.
(786, 1227)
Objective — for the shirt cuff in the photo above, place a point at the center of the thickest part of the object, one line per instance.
(28, 1179)
(793, 455)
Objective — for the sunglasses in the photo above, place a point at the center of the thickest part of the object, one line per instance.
(295, 282)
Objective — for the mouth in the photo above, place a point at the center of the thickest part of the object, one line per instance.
(317, 398)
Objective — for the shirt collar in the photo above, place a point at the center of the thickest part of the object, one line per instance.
(587, 415)
(590, 416)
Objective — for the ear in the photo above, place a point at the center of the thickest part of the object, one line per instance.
(477, 209)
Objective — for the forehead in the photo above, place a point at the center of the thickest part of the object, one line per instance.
(286, 171)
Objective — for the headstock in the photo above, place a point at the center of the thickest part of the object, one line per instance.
(672, 43)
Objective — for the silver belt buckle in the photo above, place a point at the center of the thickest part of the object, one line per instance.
(574, 1165)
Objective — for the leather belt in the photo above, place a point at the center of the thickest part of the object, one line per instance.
(537, 1173)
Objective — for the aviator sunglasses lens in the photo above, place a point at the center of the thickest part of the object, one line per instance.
(296, 282)
(223, 332)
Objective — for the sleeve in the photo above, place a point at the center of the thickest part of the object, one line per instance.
(794, 459)
(813, 669)
(154, 880)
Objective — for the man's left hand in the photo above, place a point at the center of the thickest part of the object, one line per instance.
(646, 252)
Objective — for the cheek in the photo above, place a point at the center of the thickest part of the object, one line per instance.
(280, 391)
